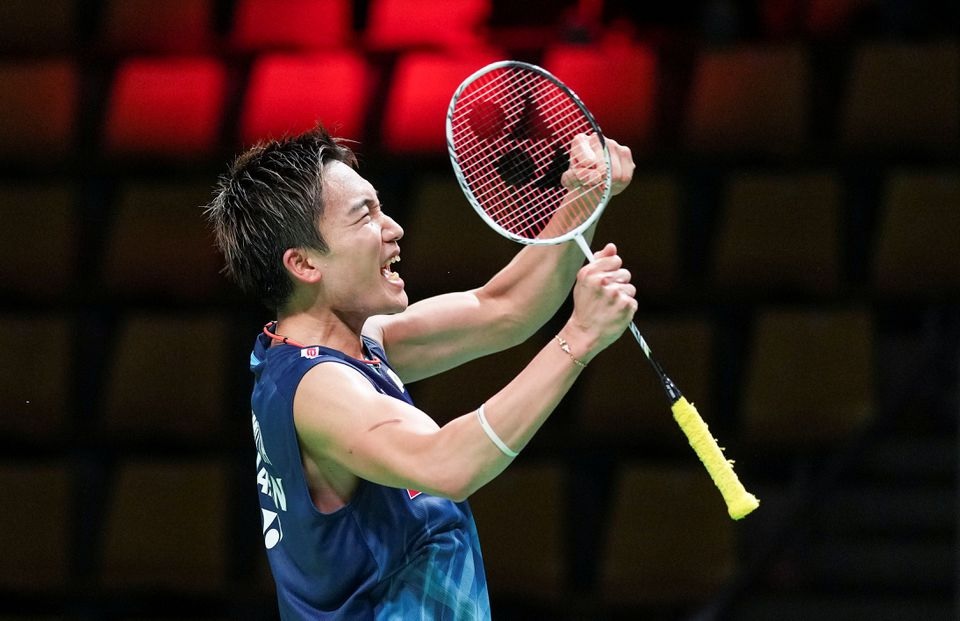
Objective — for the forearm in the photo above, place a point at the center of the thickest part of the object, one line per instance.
(515, 414)
(535, 283)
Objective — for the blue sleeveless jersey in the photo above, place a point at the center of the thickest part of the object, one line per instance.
(389, 553)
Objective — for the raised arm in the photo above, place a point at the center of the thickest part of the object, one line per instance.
(442, 332)
(341, 419)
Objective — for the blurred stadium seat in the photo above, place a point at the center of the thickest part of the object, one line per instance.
(166, 526)
(779, 233)
(669, 540)
(617, 82)
(36, 390)
(450, 248)
(148, 26)
(415, 111)
(260, 25)
(38, 109)
(916, 249)
(288, 94)
(644, 222)
(621, 399)
(749, 100)
(903, 96)
(36, 27)
(167, 378)
(35, 534)
(520, 519)
(809, 381)
(168, 107)
(38, 240)
(395, 25)
(160, 246)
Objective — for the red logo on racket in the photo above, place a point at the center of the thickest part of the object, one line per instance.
(516, 167)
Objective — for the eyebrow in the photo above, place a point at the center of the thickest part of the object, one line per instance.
(367, 203)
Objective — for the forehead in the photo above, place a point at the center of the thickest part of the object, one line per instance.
(344, 188)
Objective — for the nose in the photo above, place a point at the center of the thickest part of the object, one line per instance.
(390, 229)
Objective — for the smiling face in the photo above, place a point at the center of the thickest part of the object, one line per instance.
(358, 280)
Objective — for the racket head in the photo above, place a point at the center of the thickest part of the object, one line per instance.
(511, 127)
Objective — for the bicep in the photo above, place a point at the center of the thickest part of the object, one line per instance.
(340, 417)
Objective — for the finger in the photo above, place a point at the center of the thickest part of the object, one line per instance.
(608, 250)
(582, 153)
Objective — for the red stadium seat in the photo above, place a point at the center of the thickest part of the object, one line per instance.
(416, 109)
(166, 107)
(292, 24)
(171, 26)
(288, 94)
(413, 24)
(38, 109)
(617, 82)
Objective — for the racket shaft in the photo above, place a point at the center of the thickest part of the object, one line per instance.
(673, 393)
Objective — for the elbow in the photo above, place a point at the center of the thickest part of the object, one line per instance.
(454, 486)
(456, 493)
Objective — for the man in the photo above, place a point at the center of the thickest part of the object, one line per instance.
(363, 496)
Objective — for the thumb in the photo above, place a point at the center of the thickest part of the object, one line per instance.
(607, 251)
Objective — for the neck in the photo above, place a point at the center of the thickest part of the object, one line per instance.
(328, 330)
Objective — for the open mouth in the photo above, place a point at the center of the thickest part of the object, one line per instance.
(387, 270)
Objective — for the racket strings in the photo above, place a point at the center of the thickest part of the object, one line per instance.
(512, 131)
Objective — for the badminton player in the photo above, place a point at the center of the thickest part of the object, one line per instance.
(362, 495)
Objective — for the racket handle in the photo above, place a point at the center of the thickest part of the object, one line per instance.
(739, 501)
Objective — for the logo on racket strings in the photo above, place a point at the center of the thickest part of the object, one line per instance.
(516, 167)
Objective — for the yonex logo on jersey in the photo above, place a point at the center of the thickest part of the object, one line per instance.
(310, 352)
(412, 493)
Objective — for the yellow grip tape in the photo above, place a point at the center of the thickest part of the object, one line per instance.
(739, 501)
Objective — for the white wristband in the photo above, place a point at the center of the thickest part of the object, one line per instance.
(487, 429)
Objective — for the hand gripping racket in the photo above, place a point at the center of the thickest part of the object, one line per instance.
(512, 131)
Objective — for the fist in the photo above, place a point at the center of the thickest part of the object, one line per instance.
(588, 168)
(604, 299)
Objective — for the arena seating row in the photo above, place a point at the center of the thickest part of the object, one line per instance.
(750, 99)
(776, 233)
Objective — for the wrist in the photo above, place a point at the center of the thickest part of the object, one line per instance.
(577, 343)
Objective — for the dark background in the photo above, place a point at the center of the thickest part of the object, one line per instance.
(792, 228)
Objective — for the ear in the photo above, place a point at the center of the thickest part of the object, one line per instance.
(303, 265)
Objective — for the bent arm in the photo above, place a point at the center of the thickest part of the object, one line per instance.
(341, 418)
(442, 332)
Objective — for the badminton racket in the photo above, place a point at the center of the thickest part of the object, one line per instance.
(518, 140)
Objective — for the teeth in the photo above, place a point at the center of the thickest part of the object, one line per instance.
(387, 272)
